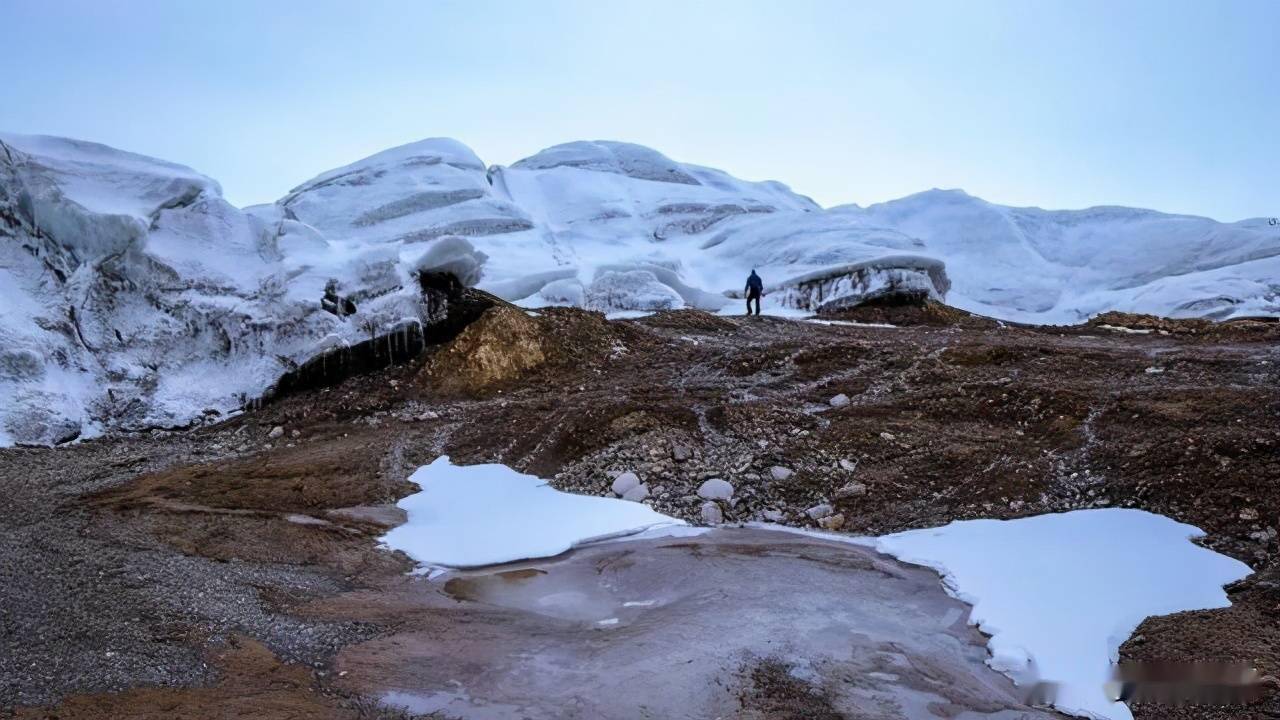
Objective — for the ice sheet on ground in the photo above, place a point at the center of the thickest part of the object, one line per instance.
(1057, 593)
(1065, 590)
(474, 515)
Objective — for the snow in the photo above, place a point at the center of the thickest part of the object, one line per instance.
(468, 516)
(848, 323)
(1059, 593)
(148, 300)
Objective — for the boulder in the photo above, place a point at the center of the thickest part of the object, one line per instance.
(624, 482)
(637, 493)
(711, 514)
(832, 522)
(839, 400)
(817, 512)
(715, 489)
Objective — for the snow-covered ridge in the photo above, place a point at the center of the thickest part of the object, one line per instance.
(138, 297)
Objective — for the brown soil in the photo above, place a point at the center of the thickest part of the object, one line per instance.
(254, 684)
(773, 692)
(946, 421)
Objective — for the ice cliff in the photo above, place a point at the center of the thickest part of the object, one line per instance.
(137, 297)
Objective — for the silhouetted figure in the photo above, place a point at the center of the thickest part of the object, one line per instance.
(755, 290)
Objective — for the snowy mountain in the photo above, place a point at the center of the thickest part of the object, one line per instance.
(138, 297)
(1064, 266)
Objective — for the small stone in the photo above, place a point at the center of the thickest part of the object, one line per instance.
(387, 516)
(1248, 514)
(300, 519)
(428, 415)
(1016, 505)
(888, 436)
(276, 432)
(715, 489)
(637, 493)
(1153, 370)
(852, 489)
(832, 522)
(817, 512)
(848, 465)
(624, 482)
(781, 473)
(839, 400)
(773, 516)
(711, 514)
(680, 453)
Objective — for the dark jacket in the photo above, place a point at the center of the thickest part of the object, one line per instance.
(754, 283)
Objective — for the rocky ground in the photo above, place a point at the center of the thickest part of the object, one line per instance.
(194, 574)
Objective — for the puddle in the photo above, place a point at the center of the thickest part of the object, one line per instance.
(670, 627)
(570, 593)
(447, 703)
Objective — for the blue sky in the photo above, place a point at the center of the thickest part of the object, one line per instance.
(1171, 105)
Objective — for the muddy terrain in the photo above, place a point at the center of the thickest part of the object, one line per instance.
(232, 570)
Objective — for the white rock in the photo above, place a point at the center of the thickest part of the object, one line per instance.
(711, 514)
(1153, 370)
(715, 489)
(781, 473)
(774, 516)
(817, 512)
(848, 465)
(839, 400)
(888, 436)
(637, 493)
(276, 432)
(624, 482)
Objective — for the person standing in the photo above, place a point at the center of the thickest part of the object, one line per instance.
(754, 290)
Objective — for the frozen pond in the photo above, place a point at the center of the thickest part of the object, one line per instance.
(1056, 593)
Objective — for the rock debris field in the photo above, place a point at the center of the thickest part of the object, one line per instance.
(235, 569)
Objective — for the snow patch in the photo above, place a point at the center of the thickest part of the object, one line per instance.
(475, 515)
(1059, 593)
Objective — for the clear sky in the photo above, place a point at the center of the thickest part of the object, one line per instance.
(1165, 104)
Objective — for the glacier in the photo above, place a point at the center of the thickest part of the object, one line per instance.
(137, 297)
